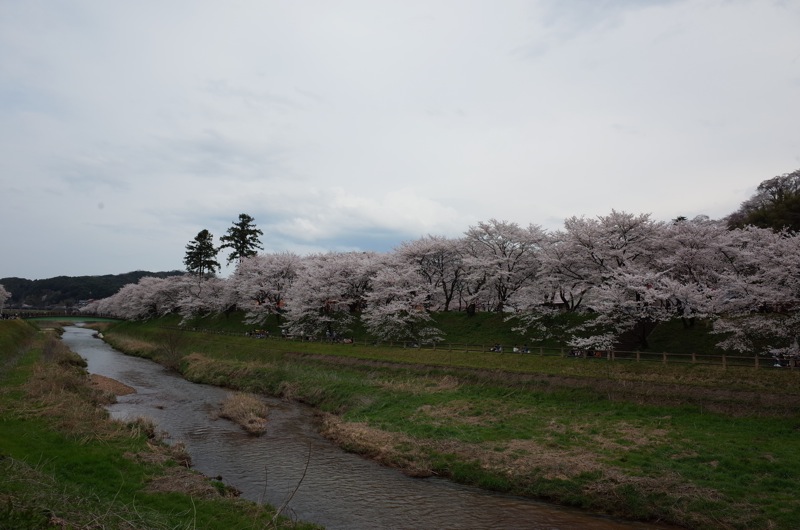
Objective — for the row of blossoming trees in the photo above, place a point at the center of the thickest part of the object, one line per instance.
(621, 269)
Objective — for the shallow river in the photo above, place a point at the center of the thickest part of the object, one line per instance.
(340, 490)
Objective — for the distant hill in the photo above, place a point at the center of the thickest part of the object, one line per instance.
(69, 291)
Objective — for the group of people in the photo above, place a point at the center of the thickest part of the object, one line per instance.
(786, 361)
(329, 336)
(516, 349)
(587, 354)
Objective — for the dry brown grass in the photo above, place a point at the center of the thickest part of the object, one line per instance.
(99, 326)
(180, 478)
(198, 367)
(142, 426)
(61, 393)
(183, 480)
(197, 361)
(289, 390)
(132, 345)
(377, 444)
(247, 410)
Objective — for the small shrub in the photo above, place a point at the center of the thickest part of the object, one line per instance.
(142, 426)
(171, 345)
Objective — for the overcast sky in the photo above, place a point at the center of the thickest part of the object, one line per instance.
(128, 127)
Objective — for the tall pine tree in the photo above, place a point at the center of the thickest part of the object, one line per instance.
(242, 239)
(201, 255)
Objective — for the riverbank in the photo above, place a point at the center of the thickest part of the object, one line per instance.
(685, 445)
(65, 464)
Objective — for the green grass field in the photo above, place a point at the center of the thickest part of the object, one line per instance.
(694, 445)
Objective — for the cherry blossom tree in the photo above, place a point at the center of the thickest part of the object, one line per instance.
(612, 241)
(586, 264)
(170, 295)
(128, 303)
(4, 295)
(568, 275)
(397, 306)
(757, 305)
(329, 293)
(207, 297)
(633, 298)
(149, 298)
(261, 283)
(693, 253)
(439, 261)
(501, 258)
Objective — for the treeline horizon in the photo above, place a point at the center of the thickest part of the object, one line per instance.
(626, 269)
(621, 271)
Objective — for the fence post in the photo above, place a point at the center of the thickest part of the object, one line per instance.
(756, 360)
(664, 357)
(638, 355)
(724, 362)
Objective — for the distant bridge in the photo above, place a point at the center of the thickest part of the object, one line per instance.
(60, 315)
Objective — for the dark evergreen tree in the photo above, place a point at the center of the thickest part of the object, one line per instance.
(201, 255)
(242, 239)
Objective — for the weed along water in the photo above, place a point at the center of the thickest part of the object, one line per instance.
(293, 466)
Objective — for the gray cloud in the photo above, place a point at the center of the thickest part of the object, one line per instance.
(357, 125)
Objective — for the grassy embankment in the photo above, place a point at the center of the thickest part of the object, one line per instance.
(694, 445)
(65, 464)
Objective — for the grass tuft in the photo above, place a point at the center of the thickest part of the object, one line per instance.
(246, 410)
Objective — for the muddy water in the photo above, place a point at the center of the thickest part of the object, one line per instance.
(293, 464)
